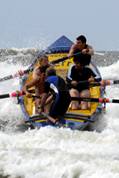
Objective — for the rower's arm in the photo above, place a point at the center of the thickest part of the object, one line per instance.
(33, 82)
(90, 50)
(71, 51)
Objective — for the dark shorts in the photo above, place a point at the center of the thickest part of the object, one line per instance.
(82, 86)
(60, 104)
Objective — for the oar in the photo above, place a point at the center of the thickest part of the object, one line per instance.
(64, 58)
(67, 57)
(96, 100)
(111, 82)
(18, 74)
(13, 94)
(17, 94)
(22, 72)
(101, 83)
(105, 82)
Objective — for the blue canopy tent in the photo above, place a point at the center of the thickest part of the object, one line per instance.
(62, 44)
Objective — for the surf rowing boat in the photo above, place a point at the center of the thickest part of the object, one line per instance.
(74, 119)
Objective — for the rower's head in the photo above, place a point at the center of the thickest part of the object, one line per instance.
(43, 60)
(81, 42)
(50, 72)
(77, 63)
(83, 59)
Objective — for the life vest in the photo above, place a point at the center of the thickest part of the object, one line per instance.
(57, 82)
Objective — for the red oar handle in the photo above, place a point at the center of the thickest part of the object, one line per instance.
(109, 82)
(17, 94)
(13, 94)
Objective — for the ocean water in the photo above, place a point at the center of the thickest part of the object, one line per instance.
(52, 152)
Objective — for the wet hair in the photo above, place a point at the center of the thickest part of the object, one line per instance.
(50, 71)
(83, 59)
(42, 57)
(82, 38)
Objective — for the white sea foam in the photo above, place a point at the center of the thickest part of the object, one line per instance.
(59, 153)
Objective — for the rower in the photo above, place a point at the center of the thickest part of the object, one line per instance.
(37, 80)
(61, 98)
(79, 73)
(82, 48)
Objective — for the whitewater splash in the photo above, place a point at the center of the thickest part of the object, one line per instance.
(58, 153)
